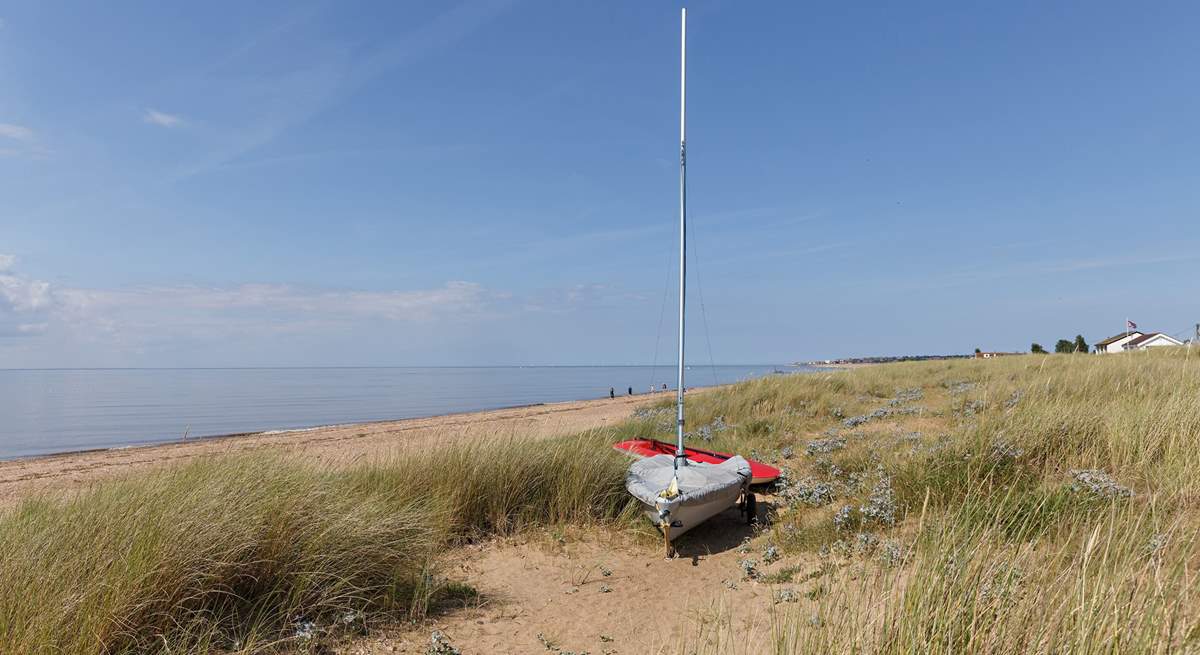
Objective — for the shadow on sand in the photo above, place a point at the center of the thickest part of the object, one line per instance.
(723, 532)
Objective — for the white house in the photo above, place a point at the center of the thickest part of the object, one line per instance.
(1116, 344)
(1152, 340)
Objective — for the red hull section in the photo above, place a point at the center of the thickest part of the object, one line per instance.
(759, 473)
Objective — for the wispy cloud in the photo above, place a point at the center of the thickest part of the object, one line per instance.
(1134, 260)
(281, 302)
(44, 324)
(162, 119)
(24, 303)
(564, 300)
(134, 317)
(28, 306)
(281, 102)
(18, 132)
(20, 141)
(982, 274)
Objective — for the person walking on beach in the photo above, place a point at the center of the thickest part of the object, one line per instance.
(631, 391)
(612, 393)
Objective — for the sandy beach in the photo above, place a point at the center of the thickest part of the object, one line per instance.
(339, 444)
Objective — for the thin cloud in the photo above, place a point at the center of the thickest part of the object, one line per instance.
(53, 324)
(18, 132)
(281, 103)
(983, 275)
(793, 253)
(271, 304)
(29, 307)
(564, 300)
(162, 119)
(24, 303)
(1073, 265)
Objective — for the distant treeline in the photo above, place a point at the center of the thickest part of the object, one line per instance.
(1064, 346)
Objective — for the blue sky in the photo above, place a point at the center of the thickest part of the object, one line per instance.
(495, 182)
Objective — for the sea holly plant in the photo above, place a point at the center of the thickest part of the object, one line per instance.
(891, 553)
(880, 507)
(1098, 483)
(771, 554)
(904, 396)
(809, 491)
(824, 446)
(786, 596)
(843, 519)
(709, 431)
(439, 644)
(1002, 451)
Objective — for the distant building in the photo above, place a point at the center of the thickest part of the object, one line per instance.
(1116, 343)
(1152, 340)
(1134, 340)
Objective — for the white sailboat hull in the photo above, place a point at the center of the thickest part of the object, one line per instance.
(687, 517)
(705, 490)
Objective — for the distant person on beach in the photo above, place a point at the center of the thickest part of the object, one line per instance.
(651, 389)
(631, 391)
(664, 386)
(612, 393)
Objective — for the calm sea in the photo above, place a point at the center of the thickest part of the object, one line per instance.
(48, 411)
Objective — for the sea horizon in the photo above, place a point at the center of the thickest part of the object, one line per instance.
(55, 410)
(352, 366)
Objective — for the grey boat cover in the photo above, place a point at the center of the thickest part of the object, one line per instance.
(648, 478)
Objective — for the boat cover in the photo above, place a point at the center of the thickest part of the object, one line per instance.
(760, 473)
(649, 478)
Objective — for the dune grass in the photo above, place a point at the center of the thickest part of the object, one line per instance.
(1034, 504)
(1038, 504)
(242, 553)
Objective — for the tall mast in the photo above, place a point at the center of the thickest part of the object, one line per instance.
(679, 457)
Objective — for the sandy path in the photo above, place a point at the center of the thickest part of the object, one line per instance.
(555, 589)
(333, 445)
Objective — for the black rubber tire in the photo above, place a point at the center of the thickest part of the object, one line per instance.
(751, 509)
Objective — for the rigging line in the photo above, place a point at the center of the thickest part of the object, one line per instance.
(700, 292)
(661, 314)
(1183, 334)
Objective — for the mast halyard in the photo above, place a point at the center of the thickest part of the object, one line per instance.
(679, 455)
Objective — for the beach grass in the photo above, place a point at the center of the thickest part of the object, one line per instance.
(1031, 504)
(245, 553)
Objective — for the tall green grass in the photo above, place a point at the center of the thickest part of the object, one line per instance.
(238, 553)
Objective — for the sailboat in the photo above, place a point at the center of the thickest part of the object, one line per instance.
(678, 493)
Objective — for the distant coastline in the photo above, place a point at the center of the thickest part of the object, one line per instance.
(858, 362)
